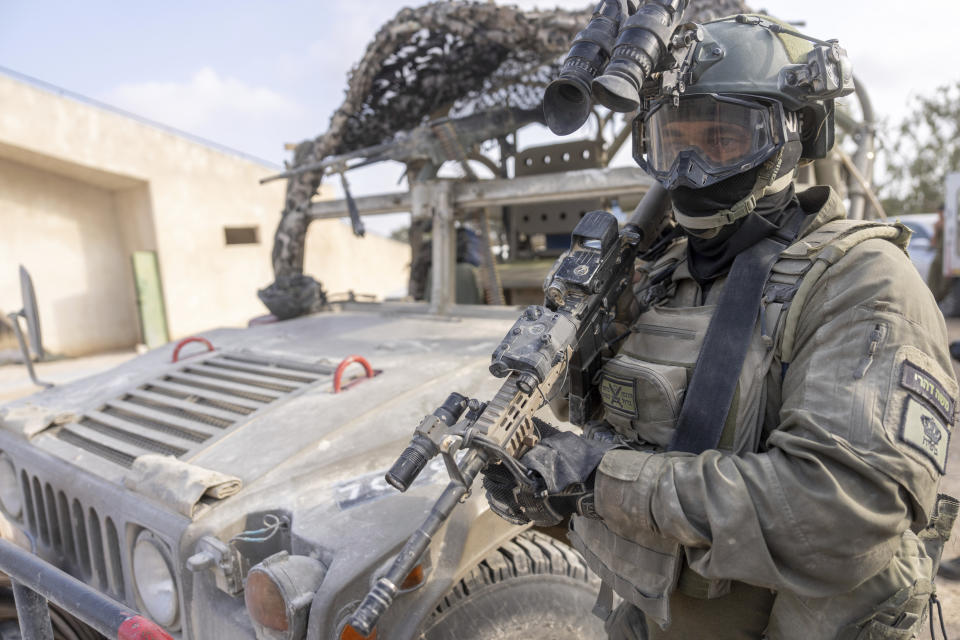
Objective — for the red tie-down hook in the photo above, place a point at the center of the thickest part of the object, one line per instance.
(338, 374)
(186, 341)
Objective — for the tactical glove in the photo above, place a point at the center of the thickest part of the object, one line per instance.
(561, 470)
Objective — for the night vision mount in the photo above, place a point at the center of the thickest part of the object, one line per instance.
(826, 74)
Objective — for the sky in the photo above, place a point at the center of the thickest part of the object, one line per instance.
(255, 75)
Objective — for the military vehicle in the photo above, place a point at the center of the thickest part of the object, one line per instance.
(232, 485)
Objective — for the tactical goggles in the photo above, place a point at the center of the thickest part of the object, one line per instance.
(706, 138)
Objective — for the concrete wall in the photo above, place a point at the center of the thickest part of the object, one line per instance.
(86, 186)
(68, 236)
(343, 262)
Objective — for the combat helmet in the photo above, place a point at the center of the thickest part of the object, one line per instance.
(751, 94)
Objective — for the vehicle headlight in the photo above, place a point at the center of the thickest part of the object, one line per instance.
(154, 580)
(279, 591)
(10, 498)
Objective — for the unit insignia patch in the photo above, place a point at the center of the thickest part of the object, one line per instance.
(923, 430)
(926, 386)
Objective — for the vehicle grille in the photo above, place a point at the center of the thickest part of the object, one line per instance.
(89, 545)
(177, 412)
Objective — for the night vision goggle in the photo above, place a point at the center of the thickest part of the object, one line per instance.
(702, 139)
(634, 48)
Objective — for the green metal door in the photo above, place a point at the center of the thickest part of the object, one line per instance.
(153, 317)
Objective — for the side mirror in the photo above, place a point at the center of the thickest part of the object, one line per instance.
(29, 311)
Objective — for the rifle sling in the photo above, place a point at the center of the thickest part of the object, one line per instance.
(710, 392)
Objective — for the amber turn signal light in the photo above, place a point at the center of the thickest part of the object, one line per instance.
(265, 602)
(349, 633)
(414, 579)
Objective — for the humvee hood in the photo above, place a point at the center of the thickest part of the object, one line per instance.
(263, 401)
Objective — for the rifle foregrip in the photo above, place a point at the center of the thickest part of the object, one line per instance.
(365, 618)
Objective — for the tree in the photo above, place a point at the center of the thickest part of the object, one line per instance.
(921, 151)
(401, 235)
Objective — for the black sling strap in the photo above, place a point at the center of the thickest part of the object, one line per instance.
(710, 392)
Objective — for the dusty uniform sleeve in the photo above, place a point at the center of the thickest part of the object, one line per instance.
(853, 459)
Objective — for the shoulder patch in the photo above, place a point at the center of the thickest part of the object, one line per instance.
(924, 431)
(915, 379)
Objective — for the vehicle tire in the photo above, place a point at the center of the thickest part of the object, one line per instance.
(65, 626)
(530, 587)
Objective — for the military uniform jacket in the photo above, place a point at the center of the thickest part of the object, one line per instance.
(830, 460)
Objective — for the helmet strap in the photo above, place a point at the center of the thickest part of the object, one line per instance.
(767, 183)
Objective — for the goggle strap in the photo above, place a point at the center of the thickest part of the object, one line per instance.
(765, 186)
(703, 223)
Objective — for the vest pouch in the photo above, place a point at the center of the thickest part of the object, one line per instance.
(641, 566)
(638, 394)
(898, 618)
(935, 536)
(643, 570)
(889, 606)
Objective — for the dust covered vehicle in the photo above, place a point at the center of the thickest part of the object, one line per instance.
(161, 483)
(233, 486)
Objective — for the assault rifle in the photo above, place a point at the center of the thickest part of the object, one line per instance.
(436, 141)
(433, 142)
(552, 349)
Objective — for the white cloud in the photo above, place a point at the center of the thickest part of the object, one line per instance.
(206, 101)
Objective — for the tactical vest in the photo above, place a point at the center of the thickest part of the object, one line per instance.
(643, 388)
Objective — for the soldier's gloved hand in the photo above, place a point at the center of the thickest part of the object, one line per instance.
(561, 468)
(519, 503)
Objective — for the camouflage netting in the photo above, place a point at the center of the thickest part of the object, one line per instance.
(444, 58)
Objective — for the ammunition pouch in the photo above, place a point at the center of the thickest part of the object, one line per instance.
(642, 570)
(643, 396)
(639, 565)
(897, 618)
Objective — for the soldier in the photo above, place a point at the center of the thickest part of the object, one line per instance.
(777, 415)
(939, 284)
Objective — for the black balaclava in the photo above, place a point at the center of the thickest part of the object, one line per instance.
(710, 257)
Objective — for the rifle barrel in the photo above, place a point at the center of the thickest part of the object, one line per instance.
(469, 130)
(366, 616)
(647, 219)
(369, 155)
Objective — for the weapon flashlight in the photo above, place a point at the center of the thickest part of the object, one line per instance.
(425, 442)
